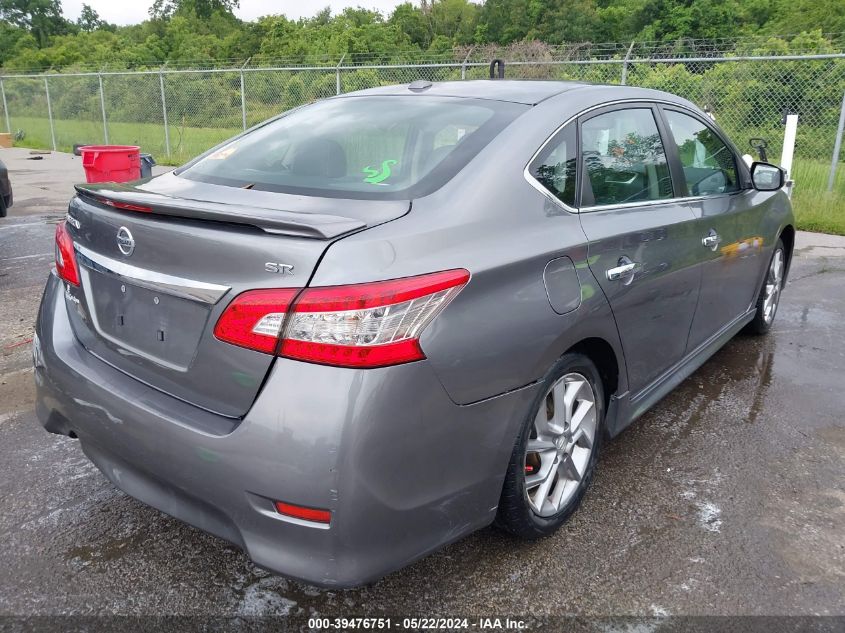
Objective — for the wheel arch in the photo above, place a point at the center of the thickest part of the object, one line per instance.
(603, 356)
(787, 235)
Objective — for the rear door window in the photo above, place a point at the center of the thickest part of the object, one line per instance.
(709, 164)
(623, 158)
(389, 147)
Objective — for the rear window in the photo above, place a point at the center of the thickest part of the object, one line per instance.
(359, 147)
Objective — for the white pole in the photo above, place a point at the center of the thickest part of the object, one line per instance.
(789, 149)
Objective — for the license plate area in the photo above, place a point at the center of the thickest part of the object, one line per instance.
(152, 324)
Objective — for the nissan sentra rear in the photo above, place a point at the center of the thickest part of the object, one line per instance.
(183, 339)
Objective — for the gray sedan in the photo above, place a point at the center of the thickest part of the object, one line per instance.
(365, 328)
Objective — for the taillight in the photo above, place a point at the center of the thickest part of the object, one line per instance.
(363, 325)
(65, 257)
(368, 325)
(254, 319)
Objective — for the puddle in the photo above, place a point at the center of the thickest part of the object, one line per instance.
(109, 550)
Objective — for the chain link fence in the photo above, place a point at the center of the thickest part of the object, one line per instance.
(177, 113)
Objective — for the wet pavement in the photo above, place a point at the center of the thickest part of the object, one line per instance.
(727, 498)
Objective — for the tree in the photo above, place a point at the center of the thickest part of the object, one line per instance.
(670, 20)
(453, 19)
(42, 18)
(411, 21)
(795, 16)
(89, 20)
(165, 9)
(10, 37)
(34, 34)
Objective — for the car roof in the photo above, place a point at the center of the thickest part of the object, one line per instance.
(525, 91)
(528, 92)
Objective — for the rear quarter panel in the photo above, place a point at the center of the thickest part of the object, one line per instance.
(500, 332)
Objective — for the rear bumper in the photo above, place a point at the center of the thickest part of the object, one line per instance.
(401, 467)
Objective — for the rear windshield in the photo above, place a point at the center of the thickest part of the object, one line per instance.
(359, 147)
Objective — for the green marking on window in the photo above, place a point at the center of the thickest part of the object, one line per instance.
(374, 176)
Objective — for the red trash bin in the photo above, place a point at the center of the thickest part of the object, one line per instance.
(111, 163)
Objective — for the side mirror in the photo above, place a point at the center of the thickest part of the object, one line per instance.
(767, 177)
(759, 145)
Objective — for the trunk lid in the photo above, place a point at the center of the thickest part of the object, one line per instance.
(153, 284)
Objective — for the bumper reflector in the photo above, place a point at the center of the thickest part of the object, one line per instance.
(301, 512)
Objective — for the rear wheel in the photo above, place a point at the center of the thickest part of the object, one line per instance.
(769, 297)
(553, 461)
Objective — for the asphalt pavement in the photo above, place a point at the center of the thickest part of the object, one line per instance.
(728, 498)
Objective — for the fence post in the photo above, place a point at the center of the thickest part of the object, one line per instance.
(243, 95)
(103, 108)
(50, 113)
(837, 146)
(164, 112)
(5, 106)
(337, 73)
(625, 61)
(464, 63)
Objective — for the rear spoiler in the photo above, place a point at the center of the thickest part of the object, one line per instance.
(311, 225)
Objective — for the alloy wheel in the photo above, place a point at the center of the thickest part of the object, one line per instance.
(774, 281)
(561, 443)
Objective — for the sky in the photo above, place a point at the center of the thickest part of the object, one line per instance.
(134, 11)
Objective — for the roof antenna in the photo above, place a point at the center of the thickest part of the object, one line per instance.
(494, 73)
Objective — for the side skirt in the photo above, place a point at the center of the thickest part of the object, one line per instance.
(632, 407)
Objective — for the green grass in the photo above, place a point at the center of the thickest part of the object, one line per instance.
(185, 142)
(815, 208)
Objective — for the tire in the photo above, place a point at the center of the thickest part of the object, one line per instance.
(772, 283)
(525, 509)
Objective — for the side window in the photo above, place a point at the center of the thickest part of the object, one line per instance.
(709, 165)
(624, 159)
(554, 168)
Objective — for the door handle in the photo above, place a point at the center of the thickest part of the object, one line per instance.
(625, 270)
(712, 240)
